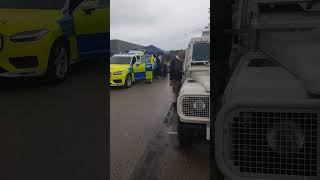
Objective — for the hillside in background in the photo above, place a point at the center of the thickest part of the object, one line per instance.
(119, 46)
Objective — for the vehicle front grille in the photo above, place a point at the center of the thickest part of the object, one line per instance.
(275, 143)
(196, 107)
(24, 62)
(117, 81)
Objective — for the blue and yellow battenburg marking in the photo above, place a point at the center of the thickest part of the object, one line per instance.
(87, 35)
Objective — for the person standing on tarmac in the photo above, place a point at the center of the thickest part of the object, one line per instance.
(164, 71)
(160, 58)
(158, 62)
(176, 68)
(152, 58)
(153, 61)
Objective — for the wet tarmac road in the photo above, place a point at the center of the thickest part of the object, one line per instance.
(142, 147)
(51, 132)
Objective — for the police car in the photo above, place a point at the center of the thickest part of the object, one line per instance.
(42, 38)
(126, 68)
(138, 53)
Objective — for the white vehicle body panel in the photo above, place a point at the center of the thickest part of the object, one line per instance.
(196, 86)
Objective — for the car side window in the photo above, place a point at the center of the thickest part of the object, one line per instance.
(75, 3)
(143, 61)
(81, 3)
(96, 1)
(103, 3)
(148, 61)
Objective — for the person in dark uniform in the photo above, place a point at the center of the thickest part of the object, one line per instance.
(164, 69)
(159, 68)
(176, 68)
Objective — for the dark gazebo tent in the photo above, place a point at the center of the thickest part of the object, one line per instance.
(155, 50)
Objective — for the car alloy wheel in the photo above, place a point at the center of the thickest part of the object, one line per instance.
(128, 81)
(61, 60)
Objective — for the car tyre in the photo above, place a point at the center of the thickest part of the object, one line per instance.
(59, 62)
(184, 135)
(128, 81)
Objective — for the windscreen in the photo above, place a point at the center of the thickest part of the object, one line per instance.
(32, 4)
(201, 52)
(120, 60)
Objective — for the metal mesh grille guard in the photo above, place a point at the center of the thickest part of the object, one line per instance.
(275, 143)
(196, 106)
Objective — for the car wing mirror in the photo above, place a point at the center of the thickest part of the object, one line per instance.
(89, 6)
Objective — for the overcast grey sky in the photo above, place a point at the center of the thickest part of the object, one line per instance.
(168, 24)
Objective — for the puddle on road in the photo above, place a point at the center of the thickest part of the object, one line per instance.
(168, 119)
(155, 149)
(151, 158)
(171, 120)
(159, 151)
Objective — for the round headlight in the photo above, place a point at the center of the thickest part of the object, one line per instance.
(286, 138)
(199, 105)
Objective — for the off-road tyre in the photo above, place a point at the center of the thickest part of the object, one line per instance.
(184, 135)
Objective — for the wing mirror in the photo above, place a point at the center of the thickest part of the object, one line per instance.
(89, 6)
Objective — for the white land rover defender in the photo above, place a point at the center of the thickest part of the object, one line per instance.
(193, 104)
(268, 126)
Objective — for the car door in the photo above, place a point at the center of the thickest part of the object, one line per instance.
(133, 67)
(91, 24)
(148, 64)
(139, 70)
(148, 67)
